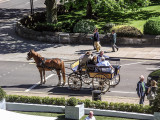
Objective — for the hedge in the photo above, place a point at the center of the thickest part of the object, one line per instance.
(2, 94)
(127, 31)
(88, 103)
(152, 26)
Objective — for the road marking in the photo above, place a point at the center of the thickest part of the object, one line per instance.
(152, 68)
(2, 1)
(29, 2)
(124, 92)
(35, 85)
(133, 63)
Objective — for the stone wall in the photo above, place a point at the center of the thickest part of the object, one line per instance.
(81, 38)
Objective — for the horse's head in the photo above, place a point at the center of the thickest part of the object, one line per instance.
(29, 55)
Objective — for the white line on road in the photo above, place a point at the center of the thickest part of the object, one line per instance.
(152, 68)
(29, 89)
(133, 63)
(124, 92)
(29, 2)
(2, 1)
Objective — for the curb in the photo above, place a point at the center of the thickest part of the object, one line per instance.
(61, 109)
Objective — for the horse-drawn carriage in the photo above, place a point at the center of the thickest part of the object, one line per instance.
(92, 74)
(88, 74)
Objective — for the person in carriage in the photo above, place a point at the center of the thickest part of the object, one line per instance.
(105, 63)
(99, 57)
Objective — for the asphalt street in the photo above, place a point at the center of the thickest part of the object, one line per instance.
(24, 77)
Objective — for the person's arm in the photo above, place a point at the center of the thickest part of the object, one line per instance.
(139, 90)
(148, 90)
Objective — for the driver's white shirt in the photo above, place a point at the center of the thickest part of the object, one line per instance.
(88, 118)
(105, 63)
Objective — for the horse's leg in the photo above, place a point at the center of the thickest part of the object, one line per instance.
(63, 73)
(44, 76)
(59, 76)
(40, 71)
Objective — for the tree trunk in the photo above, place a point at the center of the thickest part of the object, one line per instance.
(51, 8)
(89, 10)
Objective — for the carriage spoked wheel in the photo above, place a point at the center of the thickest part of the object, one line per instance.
(100, 82)
(86, 79)
(74, 81)
(115, 81)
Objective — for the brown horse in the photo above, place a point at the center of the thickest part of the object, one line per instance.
(48, 65)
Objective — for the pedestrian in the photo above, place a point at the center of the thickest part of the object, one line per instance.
(90, 116)
(141, 88)
(113, 41)
(152, 92)
(101, 54)
(97, 45)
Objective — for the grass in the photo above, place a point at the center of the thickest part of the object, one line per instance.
(136, 19)
(62, 116)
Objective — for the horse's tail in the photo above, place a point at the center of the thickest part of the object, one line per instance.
(63, 72)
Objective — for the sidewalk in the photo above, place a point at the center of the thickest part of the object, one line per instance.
(72, 52)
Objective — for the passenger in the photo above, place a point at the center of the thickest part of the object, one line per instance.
(85, 58)
(92, 62)
(101, 54)
(105, 63)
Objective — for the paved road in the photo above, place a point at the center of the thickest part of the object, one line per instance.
(20, 4)
(24, 77)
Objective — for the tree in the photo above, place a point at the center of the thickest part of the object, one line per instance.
(51, 8)
(101, 6)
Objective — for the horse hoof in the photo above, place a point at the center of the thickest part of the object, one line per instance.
(58, 85)
(44, 82)
(63, 84)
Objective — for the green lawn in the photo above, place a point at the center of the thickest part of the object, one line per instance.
(62, 117)
(136, 19)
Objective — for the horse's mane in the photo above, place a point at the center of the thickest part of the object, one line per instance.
(36, 54)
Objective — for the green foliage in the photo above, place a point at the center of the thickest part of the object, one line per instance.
(48, 27)
(29, 21)
(84, 26)
(152, 26)
(127, 31)
(156, 103)
(88, 103)
(72, 102)
(2, 94)
(106, 28)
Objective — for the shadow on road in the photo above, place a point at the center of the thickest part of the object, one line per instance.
(9, 41)
(66, 91)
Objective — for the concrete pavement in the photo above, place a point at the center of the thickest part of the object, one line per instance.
(72, 52)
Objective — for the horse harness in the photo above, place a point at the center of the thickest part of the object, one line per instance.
(43, 60)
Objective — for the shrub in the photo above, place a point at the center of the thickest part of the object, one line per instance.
(127, 31)
(107, 27)
(2, 94)
(88, 103)
(152, 26)
(72, 102)
(48, 27)
(84, 26)
(30, 20)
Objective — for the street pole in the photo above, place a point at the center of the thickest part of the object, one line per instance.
(31, 5)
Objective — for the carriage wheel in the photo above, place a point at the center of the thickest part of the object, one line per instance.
(100, 82)
(115, 81)
(86, 79)
(74, 81)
